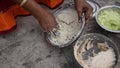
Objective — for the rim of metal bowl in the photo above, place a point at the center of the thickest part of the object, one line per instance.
(97, 13)
(75, 37)
(116, 50)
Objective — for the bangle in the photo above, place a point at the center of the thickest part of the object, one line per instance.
(23, 2)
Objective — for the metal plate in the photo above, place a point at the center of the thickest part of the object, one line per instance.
(56, 13)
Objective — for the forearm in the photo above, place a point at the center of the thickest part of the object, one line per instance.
(33, 7)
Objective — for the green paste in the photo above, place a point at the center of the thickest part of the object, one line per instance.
(110, 18)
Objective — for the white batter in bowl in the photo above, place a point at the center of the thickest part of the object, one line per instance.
(68, 26)
(96, 51)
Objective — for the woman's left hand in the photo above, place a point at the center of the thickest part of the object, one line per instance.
(83, 6)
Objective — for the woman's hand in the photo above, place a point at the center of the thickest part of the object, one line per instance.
(83, 6)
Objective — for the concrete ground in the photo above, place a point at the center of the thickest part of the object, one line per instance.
(25, 47)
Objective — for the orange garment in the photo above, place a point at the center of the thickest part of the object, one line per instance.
(7, 18)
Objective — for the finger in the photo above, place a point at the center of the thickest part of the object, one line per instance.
(51, 24)
(56, 26)
(88, 19)
(53, 32)
(79, 11)
(50, 31)
(48, 27)
(88, 15)
(53, 29)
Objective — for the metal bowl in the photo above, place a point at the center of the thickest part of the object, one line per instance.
(99, 39)
(59, 10)
(102, 9)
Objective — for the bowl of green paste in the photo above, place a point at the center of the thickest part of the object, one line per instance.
(108, 17)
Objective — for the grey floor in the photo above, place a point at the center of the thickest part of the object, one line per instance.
(25, 47)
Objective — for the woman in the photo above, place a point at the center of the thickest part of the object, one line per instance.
(45, 18)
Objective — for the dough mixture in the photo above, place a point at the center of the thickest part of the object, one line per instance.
(68, 26)
(94, 55)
